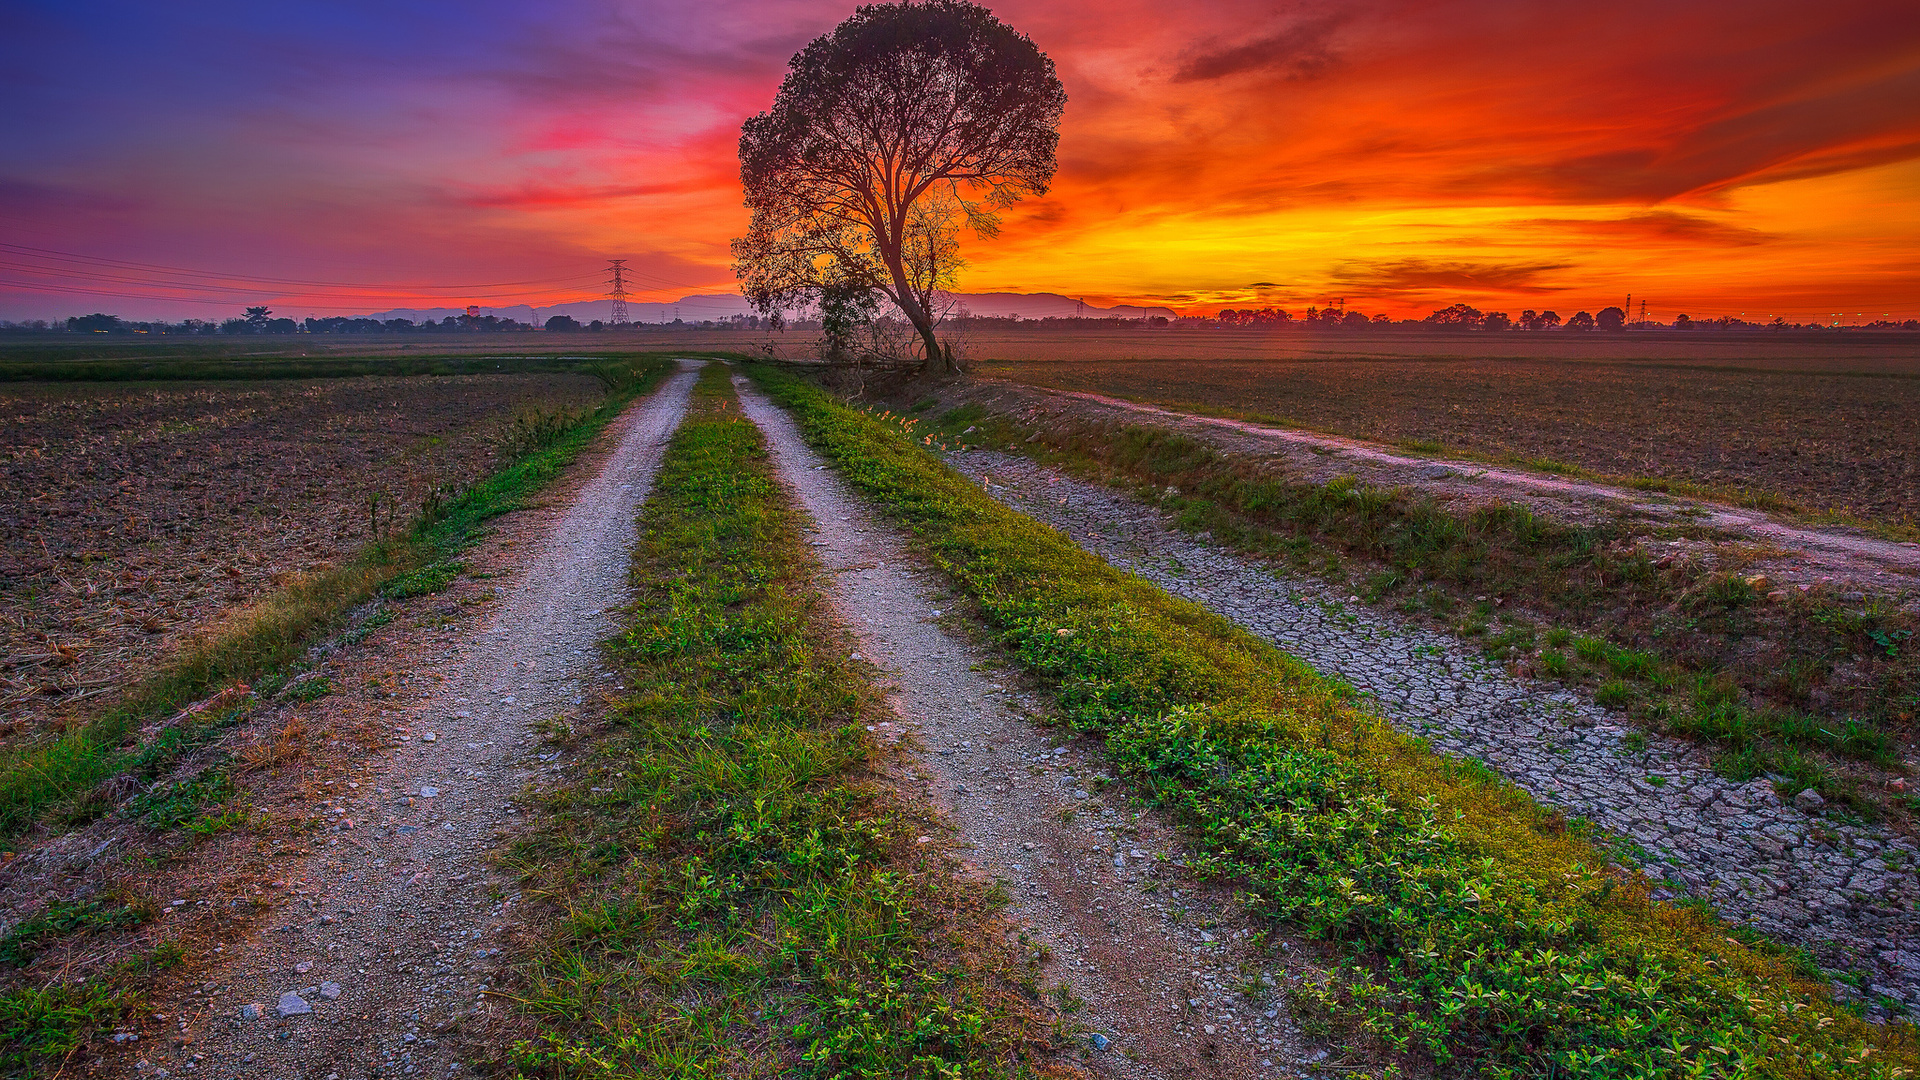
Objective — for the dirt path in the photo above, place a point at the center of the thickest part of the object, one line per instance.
(1800, 555)
(1844, 889)
(382, 954)
(1157, 960)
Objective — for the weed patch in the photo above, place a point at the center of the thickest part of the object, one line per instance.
(64, 917)
(40, 1025)
(1480, 933)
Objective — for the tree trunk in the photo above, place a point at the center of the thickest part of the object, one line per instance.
(936, 358)
(937, 362)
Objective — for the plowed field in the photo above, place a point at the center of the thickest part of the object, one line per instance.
(131, 514)
(1826, 435)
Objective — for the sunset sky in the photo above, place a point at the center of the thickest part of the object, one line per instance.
(1711, 157)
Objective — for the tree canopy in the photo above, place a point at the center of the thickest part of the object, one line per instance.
(906, 123)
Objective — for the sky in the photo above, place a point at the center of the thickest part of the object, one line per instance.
(1714, 157)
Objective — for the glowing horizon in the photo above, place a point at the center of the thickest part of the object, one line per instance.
(1712, 160)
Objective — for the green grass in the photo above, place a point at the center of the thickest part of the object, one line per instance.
(66, 917)
(51, 778)
(1478, 933)
(731, 891)
(42, 1025)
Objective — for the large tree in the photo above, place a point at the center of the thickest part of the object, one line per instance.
(907, 122)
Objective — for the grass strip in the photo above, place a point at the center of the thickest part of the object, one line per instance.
(1481, 935)
(51, 777)
(737, 895)
(1757, 707)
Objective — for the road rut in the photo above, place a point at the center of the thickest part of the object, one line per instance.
(388, 949)
(1157, 959)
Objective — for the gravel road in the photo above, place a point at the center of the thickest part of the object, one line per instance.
(1844, 889)
(383, 954)
(1157, 959)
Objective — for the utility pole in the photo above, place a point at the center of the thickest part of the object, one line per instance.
(618, 267)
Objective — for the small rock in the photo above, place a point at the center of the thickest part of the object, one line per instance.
(408, 1037)
(1208, 1028)
(429, 792)
(330, 990)
(1809, 801)
(429, 737)
(1081, 795)
(1028, 845)
(292, 1004)
(249, 1012)
(303, 967)
(1206, 937)
(1316, 1056)
(923, 839)
(1119, 860)
(1097, 1041)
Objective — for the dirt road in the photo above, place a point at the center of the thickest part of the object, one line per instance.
(382, 954)
(1158, 961)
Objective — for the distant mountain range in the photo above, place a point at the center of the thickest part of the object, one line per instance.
(722, 306)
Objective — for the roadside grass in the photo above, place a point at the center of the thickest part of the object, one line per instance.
(732, 890)
(1481, 934)
(54, 779)
(66, 917)
(1681, 622)
(42, 1025)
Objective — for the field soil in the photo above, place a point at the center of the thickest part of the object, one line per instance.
(134, 515)
(1826, 430)
(353, 929)
(1796, 555)
(1162, 964)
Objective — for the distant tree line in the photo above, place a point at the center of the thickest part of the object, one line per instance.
(260, 320)
(1466, 317)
